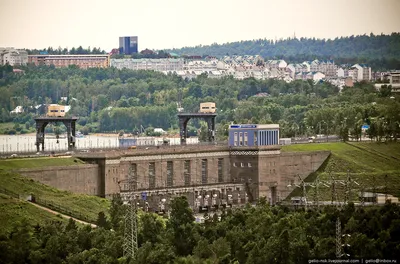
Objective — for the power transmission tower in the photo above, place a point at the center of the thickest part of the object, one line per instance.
(386, 188)
(349, 182)
(316, 190)
(130, 245)
(304, 185)
(338, 238)
(374, 196)
(333, 191)
(362, 198)
(316, 196)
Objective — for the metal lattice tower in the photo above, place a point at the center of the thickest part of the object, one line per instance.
(386, 188)
(130, 245)
(338, 238)
(316, 192)
(347, 196)
(333, 191)
(362, 198)
(374, 196)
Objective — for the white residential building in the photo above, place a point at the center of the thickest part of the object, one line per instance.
(328, 67)
(276, 64)
(317, 76)
(149, 64)
(340, 72)
(13, 56)
(19, 109)
(201, 65)
(363, 72)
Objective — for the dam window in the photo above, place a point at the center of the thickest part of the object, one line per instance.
(133, 173)
(235, 137)
(170, 173)
(220, 170)
(186, 172)
(204, 173)
(152, 175)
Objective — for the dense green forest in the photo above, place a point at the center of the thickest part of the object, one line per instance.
(114, 100)
(260, 234)
(64, 51)
(381, 52)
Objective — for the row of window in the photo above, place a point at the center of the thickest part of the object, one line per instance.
(241, 140)
(242, 164)
(170, 173)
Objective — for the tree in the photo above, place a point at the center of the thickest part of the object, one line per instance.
(117, 212)
(181, 224)
(102, 221)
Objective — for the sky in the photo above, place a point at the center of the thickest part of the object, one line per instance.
(165, 24)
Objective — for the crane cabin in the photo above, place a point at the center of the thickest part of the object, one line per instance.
(55, 110)
(207, 107)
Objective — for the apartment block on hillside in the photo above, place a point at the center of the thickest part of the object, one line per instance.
(83, 61)
(13, 56)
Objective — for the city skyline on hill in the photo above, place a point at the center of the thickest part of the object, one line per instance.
(178, 23)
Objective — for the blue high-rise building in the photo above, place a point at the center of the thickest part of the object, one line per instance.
(128, 45)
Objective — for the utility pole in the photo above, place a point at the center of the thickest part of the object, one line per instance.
(130, 245)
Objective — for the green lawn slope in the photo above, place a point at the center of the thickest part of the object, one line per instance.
(13, 210)
(372, 165)
(84, 207)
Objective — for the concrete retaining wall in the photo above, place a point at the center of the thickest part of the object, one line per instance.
(77, 178)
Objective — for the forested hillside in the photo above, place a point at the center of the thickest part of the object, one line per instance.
(114, 100)
(257, 235)
(379, 51)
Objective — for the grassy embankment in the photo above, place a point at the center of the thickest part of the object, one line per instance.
(13, 209)
(367, 163)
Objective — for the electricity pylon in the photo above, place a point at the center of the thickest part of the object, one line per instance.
(338, 238)
(130, 245)
(349, 181)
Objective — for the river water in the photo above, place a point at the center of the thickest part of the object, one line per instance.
(26, 143)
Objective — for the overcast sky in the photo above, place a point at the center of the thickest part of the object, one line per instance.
(178, 23)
